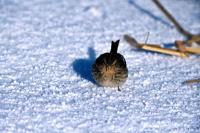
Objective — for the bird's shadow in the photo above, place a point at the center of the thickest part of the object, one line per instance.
(145, 11)
(83, 67)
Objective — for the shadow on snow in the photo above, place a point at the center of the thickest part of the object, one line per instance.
(83, 67)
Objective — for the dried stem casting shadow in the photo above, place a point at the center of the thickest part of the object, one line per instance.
(190, 37)
(182, 45)
(172, 19)
(156, 18)
(152, 47)
(83, 66)
(181, 50)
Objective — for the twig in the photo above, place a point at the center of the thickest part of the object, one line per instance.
(192, 81)
(182, 50)
(180, 46)
(173, 20)
(153, 47)
(164, 50)
(193, 50)
(195, 38)
(190, 37)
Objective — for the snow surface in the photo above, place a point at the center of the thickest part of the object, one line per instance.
(46, 51)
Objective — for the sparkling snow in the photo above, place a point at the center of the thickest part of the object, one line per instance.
(47, 48)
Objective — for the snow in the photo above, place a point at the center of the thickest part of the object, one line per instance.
(47, 48)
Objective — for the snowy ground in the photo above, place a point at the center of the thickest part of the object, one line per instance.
(48, 46)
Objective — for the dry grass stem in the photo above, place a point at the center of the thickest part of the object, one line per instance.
(192, 81)
(180, 46)
(181, 51)
(164, 50)
(190, 37)
(193, 50)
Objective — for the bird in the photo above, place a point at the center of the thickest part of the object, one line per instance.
(110, 69)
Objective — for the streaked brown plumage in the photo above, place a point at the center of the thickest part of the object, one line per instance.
(110, 69)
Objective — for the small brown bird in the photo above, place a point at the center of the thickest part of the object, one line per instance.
(110, 69)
